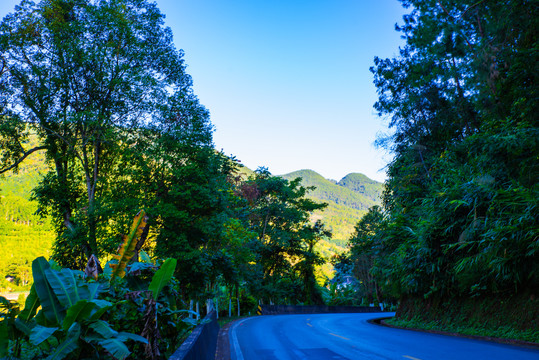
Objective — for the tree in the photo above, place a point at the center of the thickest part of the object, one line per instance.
(461, 98)
(279, 214)
(365, 250)
(311, 258)
(88, 77)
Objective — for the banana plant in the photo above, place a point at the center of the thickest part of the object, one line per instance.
(8, 331)
(69, 321)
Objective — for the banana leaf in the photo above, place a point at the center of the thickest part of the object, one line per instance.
(115, 347)
(88, 291)
(24, 326)
(64, 285)
(144, 257)
(30, 305)
(41, 333)
(70, 343)
(52, 309)
(103, 328)
(162, 277)
(4, 338)
(129, 336)
(80, 311)
(102, 306)
(129, 243)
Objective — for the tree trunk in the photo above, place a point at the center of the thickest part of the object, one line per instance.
(238, 298)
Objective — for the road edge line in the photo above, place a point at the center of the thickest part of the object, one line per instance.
(235, 344)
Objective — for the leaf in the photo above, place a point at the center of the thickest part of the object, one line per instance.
(139, 266)
(107, 271)
(116, 347)
(102, 306)
(41, 333)
(69, 344)
(144, 257)
(4, 338)
(88, 291)
(127, 250)
(129, 336)
(24, 326)
(64, 285)
(103, 328)
(80, 311)
(30, 305)
(52, 309)
(162, 277)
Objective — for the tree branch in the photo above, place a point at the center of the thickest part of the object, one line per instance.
(24, 156)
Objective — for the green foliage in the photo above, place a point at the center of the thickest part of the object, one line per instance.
(502, 317)
(335, 296)
(365, 250)
(91, 89)
(461, 197)
(71, 316)
(162, 277)
(84, 318)
(279, 214)
(8, 331)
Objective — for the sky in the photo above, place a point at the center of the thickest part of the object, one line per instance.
(287, 82)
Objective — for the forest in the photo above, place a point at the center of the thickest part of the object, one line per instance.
(456, 240)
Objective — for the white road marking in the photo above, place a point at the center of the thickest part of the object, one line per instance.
(235, 343)
(339, 336)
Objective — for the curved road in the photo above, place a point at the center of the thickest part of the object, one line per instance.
(351, 337)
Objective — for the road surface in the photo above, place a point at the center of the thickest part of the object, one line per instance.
(351, 337)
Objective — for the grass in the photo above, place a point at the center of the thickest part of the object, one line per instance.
(225, 320)
(501, 332)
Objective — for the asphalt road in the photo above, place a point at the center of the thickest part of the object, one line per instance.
(350, 336)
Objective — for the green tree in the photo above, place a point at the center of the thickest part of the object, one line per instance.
(461, 98)
(279, 214)
(312, 234)
(87, 76)
(365, 250)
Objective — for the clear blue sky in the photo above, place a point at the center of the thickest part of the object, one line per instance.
(287, 82)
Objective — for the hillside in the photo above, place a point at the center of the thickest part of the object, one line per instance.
(348, 200)
(23, 235)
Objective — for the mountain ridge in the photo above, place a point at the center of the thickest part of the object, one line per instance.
(348, 199)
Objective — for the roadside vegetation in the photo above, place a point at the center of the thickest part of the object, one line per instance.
(97, 110)
(458, 229)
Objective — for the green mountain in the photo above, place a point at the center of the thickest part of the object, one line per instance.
(361, 184)
(348, 200)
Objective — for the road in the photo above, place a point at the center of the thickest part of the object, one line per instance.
(351, 337)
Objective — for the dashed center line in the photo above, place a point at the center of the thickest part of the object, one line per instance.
(339, 336)
(410, 357)
(309, 325)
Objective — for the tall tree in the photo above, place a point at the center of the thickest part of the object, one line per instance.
(85, 75)
(461, 98)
